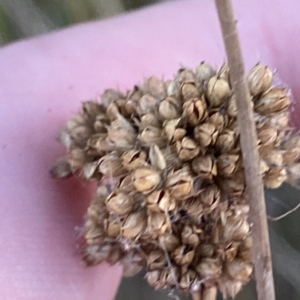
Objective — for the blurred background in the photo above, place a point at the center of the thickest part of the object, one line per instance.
(25, 18)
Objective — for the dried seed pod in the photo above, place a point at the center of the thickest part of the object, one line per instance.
(273, 157)
(209, 268)
(161, 201)
(189, 90)
(188, 280)
(226, 141)
(205, 134)
(278, 121)
(267, 136)
(204, 71)
(153, 278)
(132, 101)
(97, 145)
(170, 277)
(210, 196)
(111, 165)
(189, 236)
(147, 104)
(206, 250)
(194, 207)
(90, 170)
(239, 270)
(114, 226)
(91, 109)
(235, 228)
(156, 87)
(218, 120)
(95, 254)
(157, 158)
(184, 255)
(109, 96)
(227, 164)
(291, 156)
(168, 241)
(132, 263)
(125, 183)
(291, 142)
(229, 287)
(121, 134)
(170, 108)
(149, 120)
(233, 186)
(158, 223)
(152, 136)
(205, 166)
(174, 130)
(94, 234)
(184, 75)
(119, 203)
(231, 107)
(180, 184)
(133, 159)
(157, 260)
(195, 111)
(217, 91)
(275, 100)
(146, 179)
(62, 168)
(259, 79)
(187, 149)
(134, 225)
(275, 177)
(101, 122)
(224, 73)
(77, 159)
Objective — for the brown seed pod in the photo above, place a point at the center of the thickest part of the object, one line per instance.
(190, 236)
(156, 87)
(259, 79)
(109, 96)
(218, 120)
(275, 177)
(149, 120)
(275, 100)
(189, 90)
(120, 203)
(205, 134)
(209, 268)
(188, 281)
(217, 91)
(195, 111)
(132, 263)
(168, 241)
(239, 270)
(174, 130)
(187, 149)
(183, 255)
(146, 179)
(96, 254)
(157, 158)
(111, 165)
(229, 287)
(147, 104)
(227, 164)
(161, 200)
(152, 136)
(170, 108)
(133, 159)
(205, 166)
(226, 141)
(134, 225)
(157, 260)
(204, 71)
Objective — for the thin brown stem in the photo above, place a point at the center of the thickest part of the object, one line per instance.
(248, 138)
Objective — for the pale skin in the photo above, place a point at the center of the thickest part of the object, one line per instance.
(42, 83)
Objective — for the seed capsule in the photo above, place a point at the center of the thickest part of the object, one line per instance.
(259, 79)
(189, 90)
(204, 71)
(187, 149)
(170, 108)
(195, 111)
(133, 159)
(146, 179)
(134, 225)
(174, 130)
(184, 255)
(205, 166)
(156, 87)
(226, 141)
(275, 100)
(218, 90)
(119, 203)
(205, 134)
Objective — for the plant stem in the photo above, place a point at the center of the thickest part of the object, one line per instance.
(248, 139)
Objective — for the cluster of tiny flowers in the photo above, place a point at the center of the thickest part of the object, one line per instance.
(171, 184)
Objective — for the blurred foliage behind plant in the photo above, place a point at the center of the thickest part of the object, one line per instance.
(24, 18)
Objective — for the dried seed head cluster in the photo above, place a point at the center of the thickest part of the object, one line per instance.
(167, 159)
